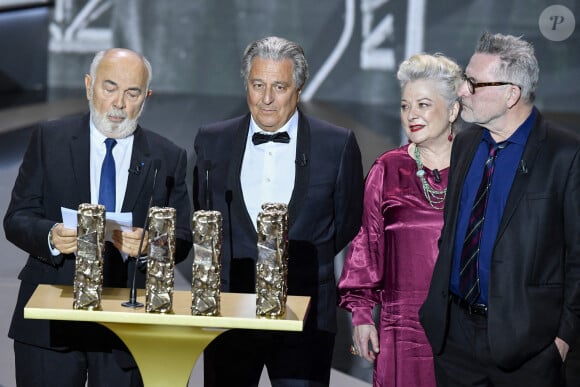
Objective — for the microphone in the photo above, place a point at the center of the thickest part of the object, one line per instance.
(132, 303)
(523, 167)
(169, 184)
(302, 161)
(207, 167)
(437, 176)
(136, 170)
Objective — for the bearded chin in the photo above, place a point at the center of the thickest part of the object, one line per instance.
(109, 129)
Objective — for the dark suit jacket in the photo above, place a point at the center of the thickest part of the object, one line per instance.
(534, 285)
(54, 174)
(324, 210)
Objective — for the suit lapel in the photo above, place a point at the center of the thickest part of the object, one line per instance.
(466, 155)
(463, 162)
(141, 154)
(302, 166)
(234, 184)
(535, 139)
(462, 156)
(80, 151)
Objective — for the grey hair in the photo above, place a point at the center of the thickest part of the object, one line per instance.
(101, 54)
(518, 61)
(437, 67)
(277, 49)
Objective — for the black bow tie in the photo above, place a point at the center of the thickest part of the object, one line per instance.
(260, 138)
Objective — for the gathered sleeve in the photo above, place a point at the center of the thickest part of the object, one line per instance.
(361, 282)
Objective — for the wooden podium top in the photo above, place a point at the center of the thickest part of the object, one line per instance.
(238, 310)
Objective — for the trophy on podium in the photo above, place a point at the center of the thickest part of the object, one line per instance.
(272, 264)
(207, 248)
(88, 278)
(159, 281)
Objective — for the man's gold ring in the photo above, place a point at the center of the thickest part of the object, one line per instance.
(353, 350)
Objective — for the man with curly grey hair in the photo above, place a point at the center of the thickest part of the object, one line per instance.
(277, 154)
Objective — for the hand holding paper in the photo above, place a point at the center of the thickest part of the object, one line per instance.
(122, 221)
(128, 241)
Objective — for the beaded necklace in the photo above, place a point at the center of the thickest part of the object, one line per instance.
(435, 197)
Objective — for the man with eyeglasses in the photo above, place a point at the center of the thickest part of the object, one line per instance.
(504, 303)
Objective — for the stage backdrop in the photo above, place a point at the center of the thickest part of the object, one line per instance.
(353, 47)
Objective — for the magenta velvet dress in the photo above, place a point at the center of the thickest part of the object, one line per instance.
(390, 263)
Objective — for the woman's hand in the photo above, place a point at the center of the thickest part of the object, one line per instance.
(362, 335)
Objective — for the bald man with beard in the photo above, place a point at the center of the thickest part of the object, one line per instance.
(62, 168)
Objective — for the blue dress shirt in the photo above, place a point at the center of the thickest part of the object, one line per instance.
(507, 163)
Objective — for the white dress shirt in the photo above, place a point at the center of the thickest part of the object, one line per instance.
(122, 155)
(268, 169)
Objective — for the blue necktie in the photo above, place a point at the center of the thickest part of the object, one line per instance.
(107, 191)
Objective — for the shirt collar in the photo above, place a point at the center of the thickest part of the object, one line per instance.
(520, 136)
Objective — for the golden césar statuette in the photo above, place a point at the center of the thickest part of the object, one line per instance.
(159, 282)
(272, 264)
(207, 250)
(88, 278)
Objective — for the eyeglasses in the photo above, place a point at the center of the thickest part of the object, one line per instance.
(471, 86)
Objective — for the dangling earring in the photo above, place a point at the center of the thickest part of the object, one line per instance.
(450, 137)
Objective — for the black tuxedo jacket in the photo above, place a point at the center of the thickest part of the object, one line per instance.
(54, 174)
(534, 284)
(324, 210)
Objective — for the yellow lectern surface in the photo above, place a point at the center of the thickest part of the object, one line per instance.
(238, 310)
(165, 346)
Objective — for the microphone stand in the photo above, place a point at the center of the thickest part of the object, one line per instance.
(207, 166)
(229, 198)
(133, 303)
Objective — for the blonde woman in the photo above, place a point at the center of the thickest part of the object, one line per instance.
(391, 259)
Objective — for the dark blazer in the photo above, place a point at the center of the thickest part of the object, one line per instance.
(534, 284)
(324, 210)
(54, 174)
